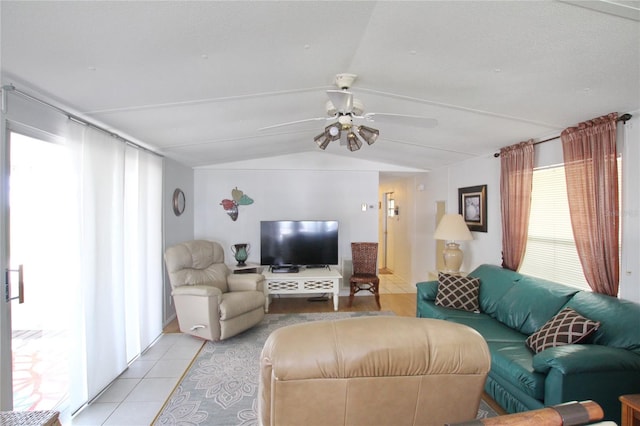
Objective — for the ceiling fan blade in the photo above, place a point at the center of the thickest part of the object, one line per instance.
(292, 123)
(341, 100)
(413, 120)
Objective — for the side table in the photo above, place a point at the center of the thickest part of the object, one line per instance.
(433, 275)
(630, 410)
(249, 268)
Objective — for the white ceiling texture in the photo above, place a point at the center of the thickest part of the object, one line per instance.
(197, 80)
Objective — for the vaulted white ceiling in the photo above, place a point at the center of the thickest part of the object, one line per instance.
(196, 80)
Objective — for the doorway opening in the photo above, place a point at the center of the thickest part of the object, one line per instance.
(387, 236)
(40, 205)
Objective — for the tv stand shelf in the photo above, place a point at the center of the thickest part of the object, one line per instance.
(307, 281)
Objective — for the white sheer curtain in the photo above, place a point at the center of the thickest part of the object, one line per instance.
(109, 245)
(142, 249)
(99, 163)
(118, 288)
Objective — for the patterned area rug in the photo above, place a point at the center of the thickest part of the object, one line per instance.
(221, 385)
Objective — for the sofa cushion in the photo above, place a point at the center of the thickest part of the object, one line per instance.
(619, 319)
(427, 290)
(489, 328)
(237, 303)
(565, 328)
(494, 283)
(530, 303)
(428, 309)
(458, 292)
(514, 362)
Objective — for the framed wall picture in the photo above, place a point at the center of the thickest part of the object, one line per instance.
(472, 205)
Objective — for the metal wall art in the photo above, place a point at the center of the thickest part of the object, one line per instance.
(179, 202)
(238, 198)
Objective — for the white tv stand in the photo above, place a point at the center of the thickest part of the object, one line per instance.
(315, 280)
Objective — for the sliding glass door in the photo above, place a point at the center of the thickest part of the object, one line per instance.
(41, 242)
(82, 220)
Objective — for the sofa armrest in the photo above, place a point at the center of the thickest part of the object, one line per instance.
(595, 372)
(245, 282)
(571, 359)
(427, 290)
(196, 290)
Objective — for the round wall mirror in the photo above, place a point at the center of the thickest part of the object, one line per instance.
(179, 202)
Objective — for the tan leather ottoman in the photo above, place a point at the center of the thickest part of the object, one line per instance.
(381, 370)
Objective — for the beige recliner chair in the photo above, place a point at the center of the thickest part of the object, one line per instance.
(211, 302)
(378, 370)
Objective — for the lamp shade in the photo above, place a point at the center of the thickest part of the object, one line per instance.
(368, 134)
(322, 140)
(451, 228)
(353, 143)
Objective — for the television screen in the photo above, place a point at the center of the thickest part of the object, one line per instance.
(299, 242)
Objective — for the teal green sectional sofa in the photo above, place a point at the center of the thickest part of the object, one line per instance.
(512, 307)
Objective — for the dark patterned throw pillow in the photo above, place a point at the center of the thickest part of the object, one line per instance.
(458, 292)
(565, 328)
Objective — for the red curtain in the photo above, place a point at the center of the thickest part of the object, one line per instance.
(590, 160)
(516, 177)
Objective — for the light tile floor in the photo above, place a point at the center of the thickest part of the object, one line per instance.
(392, 284)
(136, 397)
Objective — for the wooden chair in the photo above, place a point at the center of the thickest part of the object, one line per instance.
(365, 270)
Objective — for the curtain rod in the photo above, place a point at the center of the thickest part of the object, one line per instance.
(624, 118)
(10, 88)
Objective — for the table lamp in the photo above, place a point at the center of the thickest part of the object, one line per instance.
(451, 228)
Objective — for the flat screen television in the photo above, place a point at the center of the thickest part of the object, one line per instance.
(299, 242)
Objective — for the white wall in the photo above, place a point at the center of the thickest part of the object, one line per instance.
(176, 228)
(630, 259)
(442, 185)
(285, 195)
(424, 225)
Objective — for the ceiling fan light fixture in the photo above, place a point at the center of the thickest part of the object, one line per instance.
(332, 131)
(344, 108)
(358, 107)
(343, 139)
(369, 134)
(346, 121)
(353, 143)
(322, 140)
(331, 109)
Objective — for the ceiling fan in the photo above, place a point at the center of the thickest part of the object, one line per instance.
(344, 108)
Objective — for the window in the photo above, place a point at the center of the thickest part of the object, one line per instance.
(551, 251)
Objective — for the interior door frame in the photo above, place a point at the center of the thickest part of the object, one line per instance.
(6, 376)
(385, 230)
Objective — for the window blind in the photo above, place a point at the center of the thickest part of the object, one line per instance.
(551, 251)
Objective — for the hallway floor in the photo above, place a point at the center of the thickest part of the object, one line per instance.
(136, 397)
(392, 284)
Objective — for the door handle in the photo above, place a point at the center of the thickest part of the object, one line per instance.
(20, 295)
